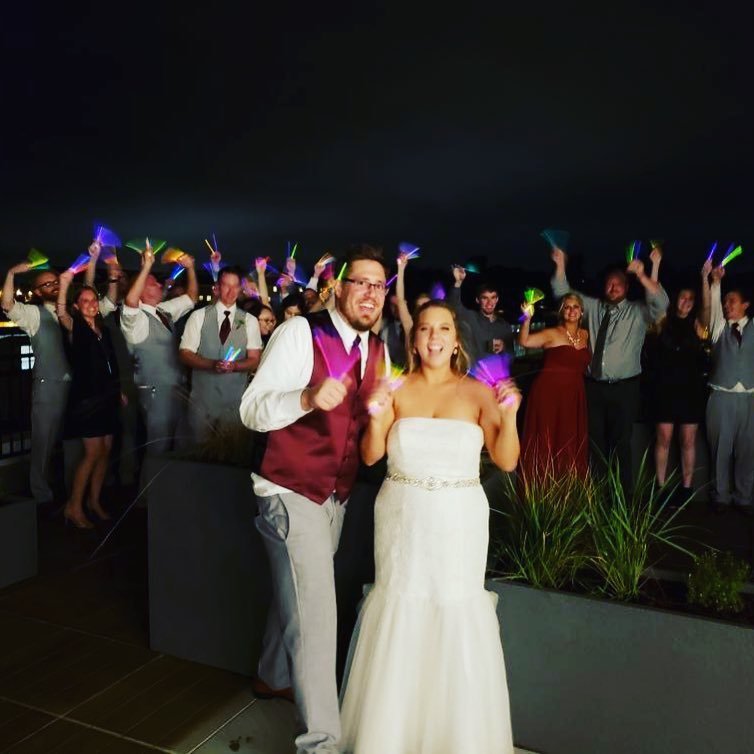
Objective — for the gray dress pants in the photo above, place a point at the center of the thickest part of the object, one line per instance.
(48, 404)
(299, 648)
(730, 434)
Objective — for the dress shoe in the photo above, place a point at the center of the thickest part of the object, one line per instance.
(263, 691)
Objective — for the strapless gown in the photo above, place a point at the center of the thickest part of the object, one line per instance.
(426, 673)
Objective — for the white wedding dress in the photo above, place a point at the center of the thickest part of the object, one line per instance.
(426, 672)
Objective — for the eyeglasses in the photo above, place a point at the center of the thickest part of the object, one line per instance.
(366, 285)
(48, 284)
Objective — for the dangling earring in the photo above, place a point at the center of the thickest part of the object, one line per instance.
(455, 351)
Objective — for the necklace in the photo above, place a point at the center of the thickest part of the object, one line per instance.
(574, 341)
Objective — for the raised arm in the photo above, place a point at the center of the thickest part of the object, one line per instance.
(703, 320)
(261, 267)
(655, 295)
(61, 306)
(9, 286)
(95, 247)
(407, 321)
(559, 281)
(717, 317)
(656, 256)
(498, 422)
(528, 339)
(454, 297)
(192, 284)
(137, 287)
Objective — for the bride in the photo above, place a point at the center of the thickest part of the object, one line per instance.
(426, 672)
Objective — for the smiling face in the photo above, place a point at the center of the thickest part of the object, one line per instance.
(615, 287)
(684, 303)
(46, 286)
(152, 293)
(267, 321)
(229, 288)
(435, 337)
(358, 303)
(487, 301)
(571, 310)
(87, 302)
(734, 306)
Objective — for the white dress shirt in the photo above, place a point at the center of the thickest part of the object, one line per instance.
(26, 316)
(273, 399)
(192, 334)
(134, 322)
(717, 326)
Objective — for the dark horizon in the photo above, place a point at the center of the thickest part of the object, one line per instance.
(465, 135)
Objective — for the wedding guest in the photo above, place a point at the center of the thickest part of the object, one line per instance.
(291, 306)
(307, 465)
(730, 409)
(267, 322)
(94, 399)
(148, 325)
(51, 375)
(617, 328)
(555, 439)
(677, 385)
(210, 337)
(484, 329)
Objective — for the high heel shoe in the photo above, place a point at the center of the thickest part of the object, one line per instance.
(100, 512)
(79, 523)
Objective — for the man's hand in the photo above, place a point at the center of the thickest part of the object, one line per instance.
(706, 269)
(326, 396)
(260, 263)
(95, 247)
(559, 257)
(223, 367)
(186, 261)
(20, 268)
(66, 277)
(718, 274)
(656, 254)
(636, 267)
(459, 274)
(290, 266)
(498, 345)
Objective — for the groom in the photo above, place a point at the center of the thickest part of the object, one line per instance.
(309, 397)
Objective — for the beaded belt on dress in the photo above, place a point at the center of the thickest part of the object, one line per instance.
(430, 482)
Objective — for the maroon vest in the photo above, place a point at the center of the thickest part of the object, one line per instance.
(319, 453)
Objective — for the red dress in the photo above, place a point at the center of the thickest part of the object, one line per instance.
(555, 426)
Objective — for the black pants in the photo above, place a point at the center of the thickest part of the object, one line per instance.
(612, 411)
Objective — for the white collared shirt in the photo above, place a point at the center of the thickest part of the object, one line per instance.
(717, 327)
(273, 399)
(134, 322)
(192, 334)
(27, 318)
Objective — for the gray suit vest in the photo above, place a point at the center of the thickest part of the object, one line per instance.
(220, 392)
(156, 357)
(733, 363)
(50, 360)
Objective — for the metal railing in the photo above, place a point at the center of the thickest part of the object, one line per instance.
(16, 362)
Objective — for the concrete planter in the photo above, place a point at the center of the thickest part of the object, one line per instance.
(209, 583)
(591, 676)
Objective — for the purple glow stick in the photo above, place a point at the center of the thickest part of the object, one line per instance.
(391, 281)
(176, 273)
(105, 237)
(712, 252)
(318, 341)
(437, 292)
(409, 249)
(80, 263)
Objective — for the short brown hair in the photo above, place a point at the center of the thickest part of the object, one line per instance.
(459, 362)
(364, 252)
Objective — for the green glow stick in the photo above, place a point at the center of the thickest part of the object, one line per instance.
(532, 295)
(36, 259)
(733, 254)
(342, 271)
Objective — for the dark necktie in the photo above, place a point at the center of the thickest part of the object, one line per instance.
(736, 330)
(356, 355)
(225, 328)
(599, 344)
(164, 319)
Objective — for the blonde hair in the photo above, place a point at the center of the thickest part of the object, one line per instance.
(459, 362)
(575, 297)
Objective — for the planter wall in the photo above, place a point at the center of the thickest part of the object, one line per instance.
(209, 582)
(589, 676)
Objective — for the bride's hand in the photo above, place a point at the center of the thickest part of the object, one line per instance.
(381, 399)
(508, 397)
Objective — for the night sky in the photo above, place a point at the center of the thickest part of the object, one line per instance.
(466, 131)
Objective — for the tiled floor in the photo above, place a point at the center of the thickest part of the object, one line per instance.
(77, 675)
